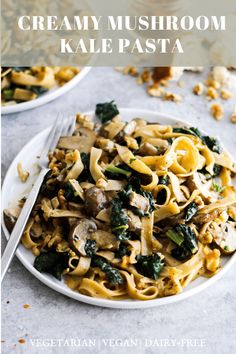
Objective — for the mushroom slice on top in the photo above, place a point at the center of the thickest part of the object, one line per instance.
(10, 217)
(138, 201)
(83, 141)
(80, 233)
(105, 239)
(134, 222)
(95, 201)
(36, 230)
(196, 181)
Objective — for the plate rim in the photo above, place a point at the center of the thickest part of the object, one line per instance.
(50, 96)
(116, 304)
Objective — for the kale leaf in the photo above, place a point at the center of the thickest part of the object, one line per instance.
(180, 253)
(149, 266)
(190, 211)
(112, 274)
(70, 193)
(135, 186)
(139, 140)
(184, 237)
(52, 262)
(39, 90)
(90, 247)
(216, 172)
(123, 250)
(106, 111)
(186, 130)
(170, 141)
(119, 220)
(212, 143)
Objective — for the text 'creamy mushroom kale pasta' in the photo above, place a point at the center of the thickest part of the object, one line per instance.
(21, 84)
(132, 210)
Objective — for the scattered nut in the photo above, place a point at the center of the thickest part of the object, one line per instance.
(146, 76)
(23, 175)
(130, 70)
(217, 111)
(225, 94)
(211, 93)
(221, 75)
(233, 117)
(212, 83)
(198, 89)
(174, 97)
(181, 83)
(155, 90)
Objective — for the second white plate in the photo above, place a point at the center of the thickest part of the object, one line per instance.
(47, 96)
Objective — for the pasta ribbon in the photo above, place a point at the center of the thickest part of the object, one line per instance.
(133, 162)
(165, 211)
(187, 157)
(77, 168)
(94, 167)
(146, 235)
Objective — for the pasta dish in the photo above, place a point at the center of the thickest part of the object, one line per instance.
(21, 84)
(132, 210)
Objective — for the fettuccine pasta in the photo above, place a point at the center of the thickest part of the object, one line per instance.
(133, 210)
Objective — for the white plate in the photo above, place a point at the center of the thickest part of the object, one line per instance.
(47, 96)
(13, 189)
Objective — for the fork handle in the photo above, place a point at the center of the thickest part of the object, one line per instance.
(21, 223)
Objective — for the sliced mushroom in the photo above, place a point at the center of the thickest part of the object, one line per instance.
(105, 144)
(36, 230)
(134, 222)
(10, 217)
(198, 219)
(95, 200)
(147, 149)
(138, 201)
(195, 182)
(105, 239)
(80, 233)
(171, 220)
(202, 218)
(83, 141)
(226, 239)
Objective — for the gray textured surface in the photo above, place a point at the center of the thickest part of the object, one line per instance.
(209, 316)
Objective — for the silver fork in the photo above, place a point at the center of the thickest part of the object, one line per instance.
(61, 127)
